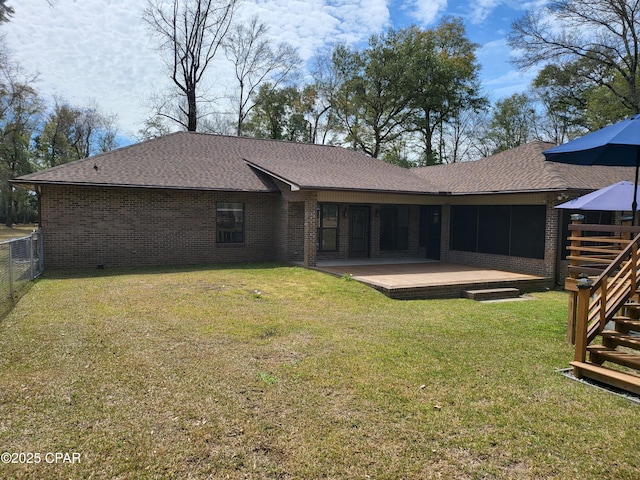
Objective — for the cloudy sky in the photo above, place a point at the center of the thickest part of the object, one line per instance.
(99, 51)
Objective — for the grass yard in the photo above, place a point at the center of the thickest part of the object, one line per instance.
(16, 231)
(280, 372)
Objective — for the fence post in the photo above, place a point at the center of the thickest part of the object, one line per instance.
(31, 256)
(11, 270)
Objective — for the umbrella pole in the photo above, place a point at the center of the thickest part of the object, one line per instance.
(634, 205)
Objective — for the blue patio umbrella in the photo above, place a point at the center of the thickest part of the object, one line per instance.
(613, 198)
(616, 145)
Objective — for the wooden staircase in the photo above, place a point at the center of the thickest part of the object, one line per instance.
(619, 348)
(604, 310)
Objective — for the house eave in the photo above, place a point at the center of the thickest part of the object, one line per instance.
(514, 192)
(32, 185)
(370, 190)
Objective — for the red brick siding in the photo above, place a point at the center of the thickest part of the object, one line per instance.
(86, 227)
(295, 232)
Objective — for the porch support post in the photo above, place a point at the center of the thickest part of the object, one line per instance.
(573, 295)
(310, 229)
(584, 298)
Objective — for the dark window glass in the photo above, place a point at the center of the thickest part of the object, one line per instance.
(528, 225)
(464, 228)
(328, 227)
(515, 230)
(394, 228)
(402, 229)
(493, 229)
(386, 228)
(230, 222)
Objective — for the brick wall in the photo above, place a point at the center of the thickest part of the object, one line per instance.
(295, 231)
(86, 227)
(301, 227)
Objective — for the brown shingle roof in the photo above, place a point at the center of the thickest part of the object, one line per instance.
(521, 169)
(186, 160)
(319, 167)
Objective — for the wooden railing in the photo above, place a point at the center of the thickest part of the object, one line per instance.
(594, 300)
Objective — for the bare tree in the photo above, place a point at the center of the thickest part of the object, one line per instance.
(6, 11)
(325, 125)
(191, 32)
(256, 62)
(604, 33)
(456, 137)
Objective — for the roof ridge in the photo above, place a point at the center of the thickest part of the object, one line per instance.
(272, 140)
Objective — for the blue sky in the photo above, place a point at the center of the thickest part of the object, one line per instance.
(99, 51)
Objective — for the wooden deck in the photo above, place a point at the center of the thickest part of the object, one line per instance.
(416, 279)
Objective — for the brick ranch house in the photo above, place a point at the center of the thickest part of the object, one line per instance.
(190, 198)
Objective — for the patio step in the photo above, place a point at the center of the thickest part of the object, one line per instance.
(491, 294)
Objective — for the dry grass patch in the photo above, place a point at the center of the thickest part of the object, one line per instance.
(281, 372)
(16, 231)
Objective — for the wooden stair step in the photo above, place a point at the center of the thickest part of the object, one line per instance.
(633, 307)
(626, 324)
(615, 378)
(600, 353)
(613, 339)
(492, 294)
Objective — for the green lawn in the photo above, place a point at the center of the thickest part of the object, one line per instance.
(16, 231)
(281, 372)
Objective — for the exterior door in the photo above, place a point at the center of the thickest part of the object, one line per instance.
(430, 230)
(359, 231)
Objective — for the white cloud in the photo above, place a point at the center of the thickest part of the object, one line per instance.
(532, 5)
(481, 9)
(310, 24)
(509, 83)
(426, 11)
(86, 50)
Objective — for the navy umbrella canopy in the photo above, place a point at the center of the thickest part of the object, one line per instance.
(617, 145)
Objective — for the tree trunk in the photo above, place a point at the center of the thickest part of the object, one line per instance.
(9, 207)
(192, 113)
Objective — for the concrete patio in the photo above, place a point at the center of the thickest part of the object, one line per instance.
(411, 279)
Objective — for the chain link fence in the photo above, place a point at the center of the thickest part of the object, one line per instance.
(21, 260)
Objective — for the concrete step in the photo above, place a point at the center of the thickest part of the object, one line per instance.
(491, 294)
